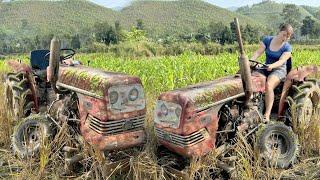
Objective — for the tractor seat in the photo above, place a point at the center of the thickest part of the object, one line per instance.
(38, 60)
(39, 63)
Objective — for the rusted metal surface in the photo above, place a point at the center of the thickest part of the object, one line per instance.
(244, 66)
(16, 67)
(93, 80)
(202, 94)
(97, 108)
(300, 73)
(199, 149)
(111, 142)
(192, 120)
(99, 125)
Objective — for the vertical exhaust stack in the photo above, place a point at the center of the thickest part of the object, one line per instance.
(244, 67)
(54, 60)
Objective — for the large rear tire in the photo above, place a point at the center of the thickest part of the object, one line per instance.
(277, 145)
(29, 135)
(18, 95)
(306, 100)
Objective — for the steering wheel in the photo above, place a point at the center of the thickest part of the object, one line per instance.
(262, 65)
(67, 56)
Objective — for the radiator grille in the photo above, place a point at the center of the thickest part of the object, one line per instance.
(116, 126)
(180, 140)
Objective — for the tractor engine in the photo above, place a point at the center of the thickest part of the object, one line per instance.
(111, 106)
(189, 120)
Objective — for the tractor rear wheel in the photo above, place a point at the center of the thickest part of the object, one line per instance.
(277, 145)
(306, 98)
(18, 95)
(30, 134)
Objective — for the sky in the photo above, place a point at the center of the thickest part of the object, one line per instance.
(221, 3)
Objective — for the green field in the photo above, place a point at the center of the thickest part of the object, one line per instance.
(158, 74)
(166, 73)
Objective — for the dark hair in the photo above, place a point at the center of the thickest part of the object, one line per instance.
(286, 27)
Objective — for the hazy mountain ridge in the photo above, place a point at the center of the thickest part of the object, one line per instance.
(159, 17)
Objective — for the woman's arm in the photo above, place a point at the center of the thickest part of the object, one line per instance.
(259, 52)
(283, 58)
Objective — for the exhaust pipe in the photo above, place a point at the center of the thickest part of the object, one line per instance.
(54, 62)
(244, 67)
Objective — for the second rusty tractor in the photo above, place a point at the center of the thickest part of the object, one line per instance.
(103, 109)
(195, 120)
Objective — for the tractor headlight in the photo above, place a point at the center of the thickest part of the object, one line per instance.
(164, 109)
(133, 94)
(178, 111)
(113, 97)
(168, 113)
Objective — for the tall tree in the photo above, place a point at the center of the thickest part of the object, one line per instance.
(317, 15)
(75, 42)
(215, 30)
(292, 15)
(251, 34)
(316, 31)
(140, 25)
(105, 33)
(307, 26)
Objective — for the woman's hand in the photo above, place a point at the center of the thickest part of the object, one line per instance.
(270, 67)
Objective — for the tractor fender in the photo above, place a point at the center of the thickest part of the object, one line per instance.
(17, 67)
(299, 74)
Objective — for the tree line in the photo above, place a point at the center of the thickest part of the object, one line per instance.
(107, 34)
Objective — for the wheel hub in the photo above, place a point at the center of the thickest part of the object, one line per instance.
(276, 145)
(32, 135)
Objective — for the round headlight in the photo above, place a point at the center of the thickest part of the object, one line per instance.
(133, 94)
(178, 112)
(164, 109)
(113, 97)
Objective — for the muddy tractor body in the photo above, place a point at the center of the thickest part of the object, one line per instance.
(105, 109)
(111, 106)
(206, 117)
(194, 131)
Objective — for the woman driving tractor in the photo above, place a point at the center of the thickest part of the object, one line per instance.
(278, 52)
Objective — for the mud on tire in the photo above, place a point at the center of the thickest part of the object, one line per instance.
(277, 145)
(29, 134)
(18, 95)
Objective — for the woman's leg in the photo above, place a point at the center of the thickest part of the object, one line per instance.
(293, 74)
(272, 82)
(284, 94)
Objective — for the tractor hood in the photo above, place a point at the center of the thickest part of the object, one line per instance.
(92, 80)
(199, 96)
(202, 94)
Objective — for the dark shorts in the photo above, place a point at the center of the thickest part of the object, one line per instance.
(281, 73)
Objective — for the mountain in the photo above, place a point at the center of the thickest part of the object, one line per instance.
(233, 8)
(269, 12)
(312, 10)
(162, 17)
(51, 16)
(71, 16)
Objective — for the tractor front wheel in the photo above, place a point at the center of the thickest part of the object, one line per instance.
(277, 145)
(30, 134)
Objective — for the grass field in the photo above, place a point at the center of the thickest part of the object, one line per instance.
(158, 75)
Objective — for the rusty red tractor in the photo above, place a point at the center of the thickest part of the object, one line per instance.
(104, 109)
(195, 120)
